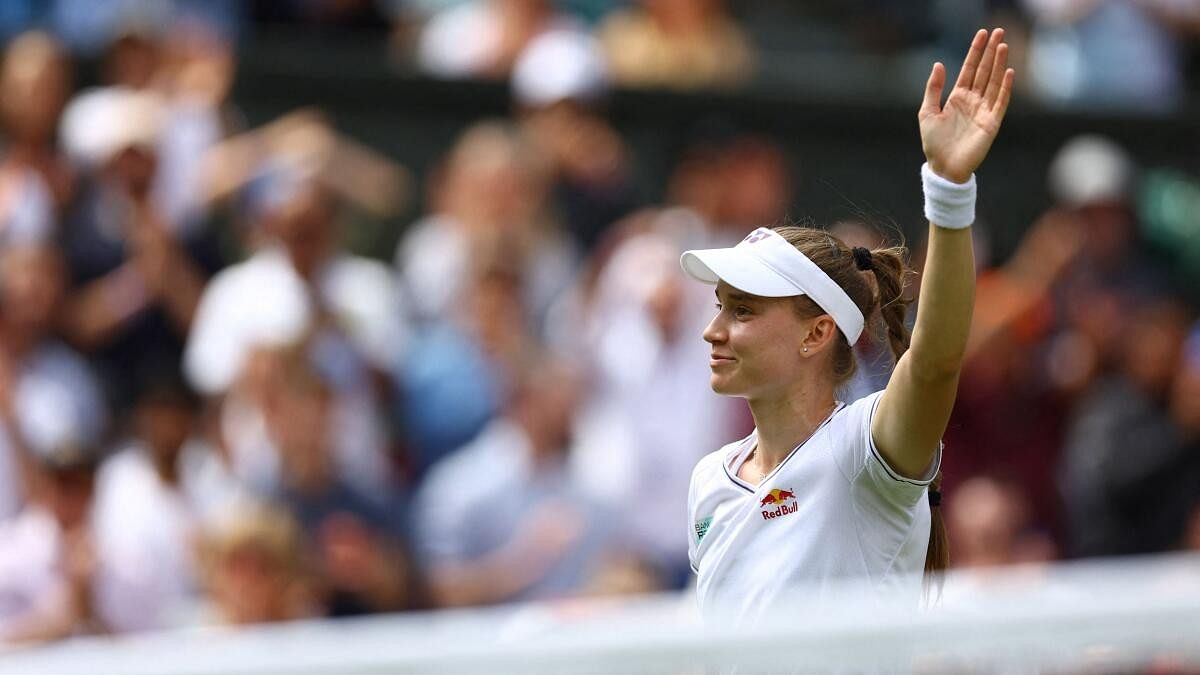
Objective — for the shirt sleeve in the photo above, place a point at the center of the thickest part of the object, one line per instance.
(440, 522)
(861, 462)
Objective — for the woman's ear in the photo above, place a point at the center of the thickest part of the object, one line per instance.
(820, 334)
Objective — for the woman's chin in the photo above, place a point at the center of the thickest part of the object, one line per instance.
(722, 385)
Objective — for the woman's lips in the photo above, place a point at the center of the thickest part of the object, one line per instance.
(715, 360)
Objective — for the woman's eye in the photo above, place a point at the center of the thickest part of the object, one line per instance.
(738, 311)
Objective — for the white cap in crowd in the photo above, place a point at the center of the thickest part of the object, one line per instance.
(99, 124)
(1091, 169)
(560, 65)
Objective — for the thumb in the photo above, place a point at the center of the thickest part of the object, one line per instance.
(932, 104)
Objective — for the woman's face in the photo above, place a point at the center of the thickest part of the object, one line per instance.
(756, 343)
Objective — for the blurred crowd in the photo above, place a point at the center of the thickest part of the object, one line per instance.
(1131, 55)
(212, 411)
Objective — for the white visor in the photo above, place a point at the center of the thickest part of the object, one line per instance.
(765, 264)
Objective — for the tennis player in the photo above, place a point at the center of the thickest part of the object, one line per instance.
(822, 490)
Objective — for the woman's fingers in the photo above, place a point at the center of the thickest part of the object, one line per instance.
(983, 73)
(997, 78)
(1005, 94)
(967, 75)
(932, 104)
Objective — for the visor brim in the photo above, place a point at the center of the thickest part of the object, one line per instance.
(739, 269)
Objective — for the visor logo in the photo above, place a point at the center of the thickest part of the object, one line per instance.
(757, 236)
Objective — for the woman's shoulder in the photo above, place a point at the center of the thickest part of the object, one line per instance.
(855, 414)
(713, 462)
(863, 403)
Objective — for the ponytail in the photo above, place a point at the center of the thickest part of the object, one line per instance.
(889, 271)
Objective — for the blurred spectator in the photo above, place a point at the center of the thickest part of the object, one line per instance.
(1122, 474)
(256, 569)
(303, 274)
(153, 499)
(1009, 416)
(300, 286)
(756, 184)
(501, 519)
(489, 199)
(256, 169)
(684, 44)
(132, 60)
(989, 525)
(49, 396)
(47, 552)
(195, 77)
(1092, 178)
(35, 180)
(358, 541)
(559, 84)
(1093, 181)
(459, 371)
(731, 181)
(137, 277)
(483, 38)
(299, 418)
(652, 414)
(1122, 54)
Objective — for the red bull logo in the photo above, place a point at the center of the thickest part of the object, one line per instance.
(779, 499)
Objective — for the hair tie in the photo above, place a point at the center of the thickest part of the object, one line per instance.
(863, 258)
(935, 498)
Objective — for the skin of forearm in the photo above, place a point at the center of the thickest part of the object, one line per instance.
(181, 293)
(943, 322)
(102, 307)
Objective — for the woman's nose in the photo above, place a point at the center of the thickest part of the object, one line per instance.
(715, 332)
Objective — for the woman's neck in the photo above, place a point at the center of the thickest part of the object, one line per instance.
(787, 421)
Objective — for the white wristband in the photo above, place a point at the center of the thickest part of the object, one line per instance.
(948, 204)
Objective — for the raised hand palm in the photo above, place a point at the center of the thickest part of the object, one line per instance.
(956, 137)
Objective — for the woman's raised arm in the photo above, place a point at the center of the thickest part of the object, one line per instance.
(915, 408)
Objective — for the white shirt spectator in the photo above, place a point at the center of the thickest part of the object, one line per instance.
(32, 581)
(145, 532)
(263, 301)
(57, 402)
(479, 498)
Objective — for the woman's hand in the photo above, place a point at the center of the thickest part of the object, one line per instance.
(956, 137)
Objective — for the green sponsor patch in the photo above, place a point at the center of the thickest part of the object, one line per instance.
(702, 528)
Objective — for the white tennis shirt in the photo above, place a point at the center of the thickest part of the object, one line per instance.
(832, 510)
